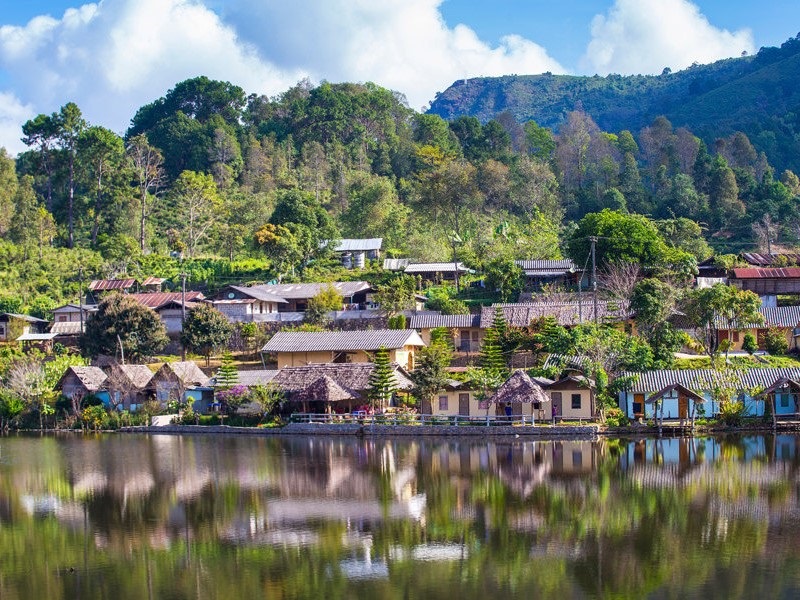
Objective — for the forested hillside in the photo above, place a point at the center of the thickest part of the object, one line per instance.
(234, 187)
(758, 95)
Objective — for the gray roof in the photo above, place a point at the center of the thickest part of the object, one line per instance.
(91, 378)
(781, 316)
(259, 292)
(66, 327)
(300, 291)
(698, 379)
(547, 267)
(440, 267)
(449, 321)
(187, 372)
(395, 264)
(566, 313)
(20, 317)
(138, 375)
(252, 377)
(36, 337)
(359, 245)
(312, 341)
(351, 376)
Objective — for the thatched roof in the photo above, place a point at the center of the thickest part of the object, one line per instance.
(138, 375)
(350, 376)
(324, 389)
(519, 388)
(91, 378)
(186, 372)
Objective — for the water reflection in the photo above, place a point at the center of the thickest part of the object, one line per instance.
(221, 517)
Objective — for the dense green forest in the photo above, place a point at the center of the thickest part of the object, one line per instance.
(758, 95)
(246, 187)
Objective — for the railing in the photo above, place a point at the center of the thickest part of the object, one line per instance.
(361, 418)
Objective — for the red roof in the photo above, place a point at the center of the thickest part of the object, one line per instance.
(153, 281)
(111, 284)
(773, 273)
(155, 300)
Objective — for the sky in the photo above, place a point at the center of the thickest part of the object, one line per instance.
(112, 56)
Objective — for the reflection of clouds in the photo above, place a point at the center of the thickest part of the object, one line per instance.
(191, 483)
(92, 482)
(430, 552)
(304, 509)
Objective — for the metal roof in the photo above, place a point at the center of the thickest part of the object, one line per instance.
(302, 291)
(155, 299)
(36, 337)
(20, 317)
(313, 341)
(441, 267)
(99, 285)
(359, 245)
(153, 281)
(553, 266)
(771, 273)
(66, 327)
(449, 321)
(764, 260)
(699, 379)
(256, 292)
(395, 264)
(252, 377)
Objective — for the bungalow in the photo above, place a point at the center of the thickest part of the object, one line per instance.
(549, 272)
(245, 304)
(355, 252)
(572, 398)
(13, 326)
(67, 318)
(79, 382)
(784, 318)
(465, 330)
(294, 297)
(437, 272)
(300, 348)
(767, 282)
(181, 381)
(127, 385)
(671, 389)
(323, 387)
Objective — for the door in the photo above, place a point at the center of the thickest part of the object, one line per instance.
(556, 398)
(463, 405)
(638, 405)
(683, 406)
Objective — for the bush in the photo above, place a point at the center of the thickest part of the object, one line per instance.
(749, 343)
(732, 412)
(616, 418)
(775, 341)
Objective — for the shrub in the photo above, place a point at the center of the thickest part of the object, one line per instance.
(732, 412)
(749, 343)
(775, 341)
(616, 418)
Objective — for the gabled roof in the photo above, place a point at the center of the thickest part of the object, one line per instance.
(313, 341)
(764, 260)
(187, 372)
(101, 285)
(72, 307)
(440, 267)
(699, 379)
(301, 291)
(449, 321)
(156, 299)
(256, 292)
(533, 268)
(359, 245)
(395, 264)
(138, 375)
(153, 281)
(351, 376)
(773, 273)
(680, 388)
(20, 317)
(92, 378)
(781, 382)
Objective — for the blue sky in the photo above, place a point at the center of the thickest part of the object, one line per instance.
(113, 56)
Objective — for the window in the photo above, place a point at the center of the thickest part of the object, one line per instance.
(735, 336)
(784, 400)
(576, 401)
(442, 402)
(62, 318)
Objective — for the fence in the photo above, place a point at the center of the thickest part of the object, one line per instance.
(362, 418)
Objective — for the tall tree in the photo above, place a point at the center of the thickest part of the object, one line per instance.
(148, 176)
(101, 153)
(70, 124)
(41, 133)
(198, 203)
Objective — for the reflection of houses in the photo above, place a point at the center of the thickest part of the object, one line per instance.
(300, 348)
(181, 381)
(465, 330)
(562, 273)
(676, 404)
(355, 252)
(14, 326)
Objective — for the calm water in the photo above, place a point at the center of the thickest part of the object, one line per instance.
(172, 517)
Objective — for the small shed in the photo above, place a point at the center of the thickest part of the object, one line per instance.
(127, 385)
(78, 382)
(182, 380)
(520, 390)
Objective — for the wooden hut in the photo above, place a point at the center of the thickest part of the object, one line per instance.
(519, 390)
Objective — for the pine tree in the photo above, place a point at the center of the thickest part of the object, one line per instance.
(382, 384)
(491, 355)
(228, 374)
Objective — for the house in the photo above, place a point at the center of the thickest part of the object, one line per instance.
(767, 282)
(13, 326)
(784, 318)
(572, 398)
(330, 387)
(293, 297)
(520, 395)
(355, 252)
(437, 272)
(99, 288)
(670, 388)
(538, 273)
(79, 382)
(127, 385)
(245, 304)
(183, 381)
(67, 319)
(465, 330)
(168, 306)
(300, 348)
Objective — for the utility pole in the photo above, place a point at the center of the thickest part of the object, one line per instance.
(80, 296)
(183, 309)
(593, 240)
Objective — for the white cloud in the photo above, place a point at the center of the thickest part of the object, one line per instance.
(12, 114)
(644, 36)
(116, 55)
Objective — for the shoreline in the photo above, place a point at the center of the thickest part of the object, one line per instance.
(585, 432)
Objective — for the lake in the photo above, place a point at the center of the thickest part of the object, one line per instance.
(172, 517)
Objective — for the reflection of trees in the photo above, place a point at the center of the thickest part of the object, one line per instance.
(304, 516)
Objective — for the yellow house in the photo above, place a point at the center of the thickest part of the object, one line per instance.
(572, 398)
(465, 330)
(300, 348)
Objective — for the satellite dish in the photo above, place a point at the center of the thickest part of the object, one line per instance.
(231, 295)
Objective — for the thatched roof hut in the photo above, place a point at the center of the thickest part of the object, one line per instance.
(519, 388)
(324, 389)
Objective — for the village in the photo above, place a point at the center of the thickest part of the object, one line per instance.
(335, 352)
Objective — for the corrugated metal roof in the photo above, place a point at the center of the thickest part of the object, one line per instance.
(26, 318)
(36, 337)
(546, 265)
(252, 377)
(395, 264)
(66, 327)
(449, 321)
(781, 316)
(258, 292)
(566, 313)
(441, 267)
(699, 379)
(772, 273)
(153, 281)
(302, 291)
(156, 299)
(764, 260)
(99, 285)
(359, 245)
(313, 341)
